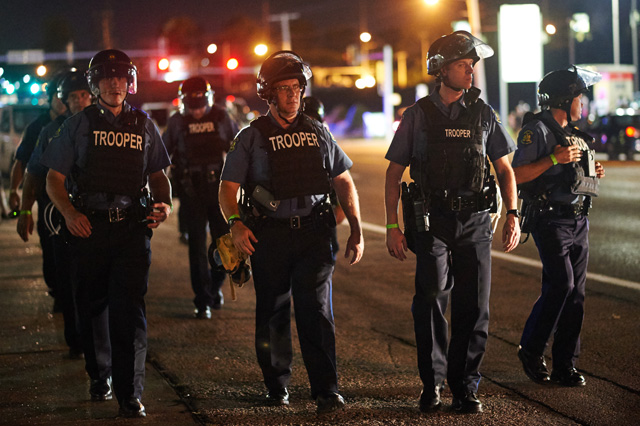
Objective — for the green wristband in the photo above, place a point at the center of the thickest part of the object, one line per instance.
(233, 216)
(554, 160)
(392, 226)
(25, 212)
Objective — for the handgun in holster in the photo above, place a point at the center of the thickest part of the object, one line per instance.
(415, 212)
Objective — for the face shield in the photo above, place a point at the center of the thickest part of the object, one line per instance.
(588, 77)
(457, 45)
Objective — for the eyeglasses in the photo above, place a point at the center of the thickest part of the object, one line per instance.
(296, 88)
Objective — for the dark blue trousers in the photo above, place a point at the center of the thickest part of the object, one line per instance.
(453, 262)
(110, 272)
(65, 292)
(296, 263)
(563, 246)
(196, 213)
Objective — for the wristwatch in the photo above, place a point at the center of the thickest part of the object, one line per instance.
(514, 212)
(233, 220)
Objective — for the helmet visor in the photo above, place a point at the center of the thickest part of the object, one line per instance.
(589, 77)
(195, 100)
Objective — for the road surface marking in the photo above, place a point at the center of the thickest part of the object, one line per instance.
(529, 262)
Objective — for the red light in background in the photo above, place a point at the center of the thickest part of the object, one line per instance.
(175, 102)
(163, 64)
(231, 98)
(232, 64)
(630, 131)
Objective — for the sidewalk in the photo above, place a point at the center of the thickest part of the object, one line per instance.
(39, 384)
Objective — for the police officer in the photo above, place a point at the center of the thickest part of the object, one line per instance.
(557, 175)
(23, 154)
(108, 153)
(74, 92)
(447, 139)
(285, 164)
(197, 139)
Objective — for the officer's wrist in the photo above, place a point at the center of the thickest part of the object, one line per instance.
(514, 212)
(233, 219)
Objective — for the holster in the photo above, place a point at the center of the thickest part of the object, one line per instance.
(532, 211)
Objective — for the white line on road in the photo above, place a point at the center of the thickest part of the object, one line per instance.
(529, 262)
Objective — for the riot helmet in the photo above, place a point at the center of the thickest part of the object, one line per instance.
(314, 108)
(282, 65)
(558, 88)
(112, 63)
(52, 85)
(194, 93)
(455, 46)
(72, 81)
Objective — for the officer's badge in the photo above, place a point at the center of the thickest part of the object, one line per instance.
(233, 145)
(526, 137)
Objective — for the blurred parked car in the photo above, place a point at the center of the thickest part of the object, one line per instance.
(617, 134)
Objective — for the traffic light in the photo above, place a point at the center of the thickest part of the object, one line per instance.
(232, 64)
(163, 64)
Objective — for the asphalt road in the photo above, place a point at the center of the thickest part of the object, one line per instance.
(204, 372)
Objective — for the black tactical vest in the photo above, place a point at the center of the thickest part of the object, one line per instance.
(200, 143)
(295, 158)
(453, 157)
(114, 161)
(578, 178)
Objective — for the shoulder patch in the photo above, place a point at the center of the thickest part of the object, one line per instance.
(526, 137)
(233, 144)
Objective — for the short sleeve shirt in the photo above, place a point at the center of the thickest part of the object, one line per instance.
(30, 137)
(536, 141)
(413, 129)
(68, 149)
(247, 162)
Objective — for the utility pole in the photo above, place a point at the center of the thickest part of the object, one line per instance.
(615, 21)
(284, 19)
(107, 14)
(633, 21)
(473, 12)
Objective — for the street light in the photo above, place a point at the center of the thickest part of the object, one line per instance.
(579, 27)
(261, 49)
(212, 48)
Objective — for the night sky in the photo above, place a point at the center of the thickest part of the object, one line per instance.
(401, 23)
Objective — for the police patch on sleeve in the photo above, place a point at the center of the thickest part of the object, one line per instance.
(233, 145)
(526, 137)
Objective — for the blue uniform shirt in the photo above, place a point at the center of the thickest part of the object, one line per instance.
(248, 162)
(413, 129)
(30, 137)
(35, 167)
(68, 149)
(536, 141)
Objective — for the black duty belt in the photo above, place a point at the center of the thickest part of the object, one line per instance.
(112, 215)
(456, 204)
(296, 222)
(566, 210)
